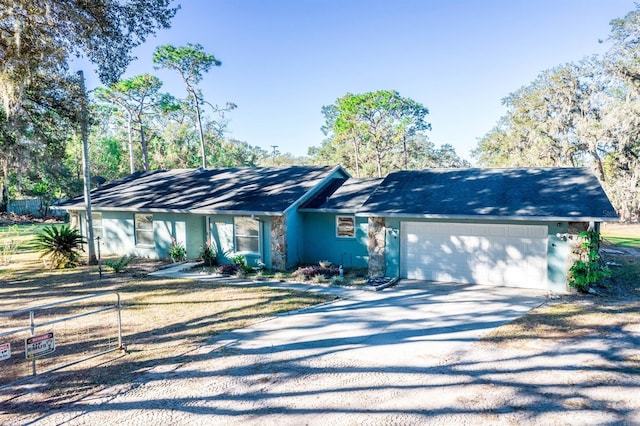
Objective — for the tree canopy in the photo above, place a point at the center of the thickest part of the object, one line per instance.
(191, 62)
(377, 132)
(584, 113)
(39, 96)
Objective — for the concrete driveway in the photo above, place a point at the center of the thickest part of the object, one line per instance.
(371, 357)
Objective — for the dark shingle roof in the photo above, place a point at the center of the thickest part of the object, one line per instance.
(349, 196)
(251, 190)
(523, 193)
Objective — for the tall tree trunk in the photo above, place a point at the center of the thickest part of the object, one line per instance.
(132, 163)
(404, 152)
(4, 191)
(599, 167)
(87, 174)
(356, 153)
(145, 153)
(196, 104)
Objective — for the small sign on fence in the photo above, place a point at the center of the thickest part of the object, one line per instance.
(5, 351)
(40, 345)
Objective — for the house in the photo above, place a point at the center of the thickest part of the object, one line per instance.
(512, 227)
(241, 211)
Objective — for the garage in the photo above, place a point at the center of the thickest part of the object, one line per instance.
(510, 255)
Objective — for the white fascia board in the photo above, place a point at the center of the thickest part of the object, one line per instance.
(313, 190)
(492, 217)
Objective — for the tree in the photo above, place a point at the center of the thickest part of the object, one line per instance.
(104, 31)
(37, 39)
(554, 121)
(137, 97)
(372, 129)
(33, 138)
(191, 62)
(584, 113)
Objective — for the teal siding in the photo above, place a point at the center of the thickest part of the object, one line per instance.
(188, 230)
(558, 252)
(119, 234)
(320, 242)
(221, 234)
(294, 238)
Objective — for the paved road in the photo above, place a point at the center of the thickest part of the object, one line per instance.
(369, 358)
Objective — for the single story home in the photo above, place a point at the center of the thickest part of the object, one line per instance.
(510, 227)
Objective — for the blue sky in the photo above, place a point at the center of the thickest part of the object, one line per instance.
(283, 60)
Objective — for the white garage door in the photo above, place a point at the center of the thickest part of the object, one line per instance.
(493, 254)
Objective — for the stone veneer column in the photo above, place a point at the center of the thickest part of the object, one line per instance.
(278, 243)
(376, 247)
(574, 241)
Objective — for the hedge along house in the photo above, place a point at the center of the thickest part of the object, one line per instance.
(246, 211)
(509, 227)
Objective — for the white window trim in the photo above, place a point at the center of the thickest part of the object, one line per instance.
(353, 219)
(135, 230)
(97, 228)
(258, 237)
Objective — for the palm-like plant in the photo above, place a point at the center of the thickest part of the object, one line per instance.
(60, 246)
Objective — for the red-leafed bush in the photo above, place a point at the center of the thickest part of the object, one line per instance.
(308, 272)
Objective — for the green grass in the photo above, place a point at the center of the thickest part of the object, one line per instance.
(626, 241)
(21, 234)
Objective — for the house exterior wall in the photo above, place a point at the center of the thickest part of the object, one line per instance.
(558, 249)
(320, 242)
(119, 234)
(189, 230)
(221, 233)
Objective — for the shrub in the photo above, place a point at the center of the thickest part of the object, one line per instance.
(120, 264)
(177, 252)
(337, 280)
(228, 269)
(60, 247)
(241, 262)
(319, 278)
(209, 254)
(588, 269)
(308, 272)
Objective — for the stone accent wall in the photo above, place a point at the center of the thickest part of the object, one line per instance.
(278, 243)
(376, 246)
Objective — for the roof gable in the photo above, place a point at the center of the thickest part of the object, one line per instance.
(346, 195)
(247, 190)
(519, 193)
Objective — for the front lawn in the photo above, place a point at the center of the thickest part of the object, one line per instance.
(621, 235)
(164, 321)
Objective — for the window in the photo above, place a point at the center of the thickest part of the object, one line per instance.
(144, 229)
(247, 234)
(97, 225)
(74, 220)
(345, 226)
